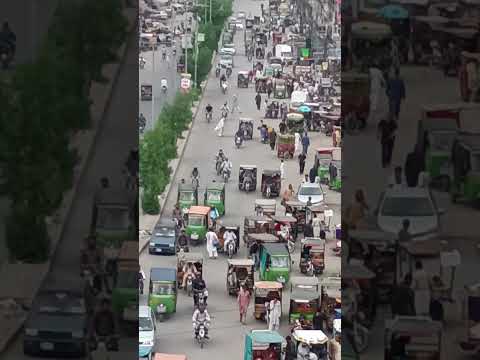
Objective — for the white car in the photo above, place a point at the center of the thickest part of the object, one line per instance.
(146, 331)
(311, 190)
(398, 203)
(241, 15)
(227, 51)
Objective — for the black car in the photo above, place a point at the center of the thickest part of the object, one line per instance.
(56, 325)
(163, 240)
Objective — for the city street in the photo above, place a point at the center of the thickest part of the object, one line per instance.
(163, 69)
(113, 145)
(227, 334)
(423, 86)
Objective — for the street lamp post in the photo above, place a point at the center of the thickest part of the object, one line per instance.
(153, 82)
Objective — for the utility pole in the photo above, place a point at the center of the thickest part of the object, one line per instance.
(153, 82)
(196, 56)
(210, 18)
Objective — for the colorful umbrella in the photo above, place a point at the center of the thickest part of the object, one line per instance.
(304, 109)
(394, 12)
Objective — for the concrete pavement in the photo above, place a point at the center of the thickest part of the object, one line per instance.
(175, 334)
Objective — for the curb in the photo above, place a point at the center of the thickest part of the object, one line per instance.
(166, 192)
(71, 194)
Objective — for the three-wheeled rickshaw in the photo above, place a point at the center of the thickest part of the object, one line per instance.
(194, 259)
(466, 168)
(146, 92)
(323, 157)
(470, 340)
(285, 220)
(264, 292)
(295, 123)
(305, 299)
(220, 234)
(215, 197)
(315, 339)
(246, 126)
(125, 291)
(242, 79)
(162, 295)
(240, 272)
(187, 196)
(285, 146)
(112, 218)
(260, 343)
(256, 225)
(197, 224)
(413, 337)
(271, 183)
(265, 207)
(279, 89)
(312, 252)
(298, 210)
(247, 178)
(275, 262)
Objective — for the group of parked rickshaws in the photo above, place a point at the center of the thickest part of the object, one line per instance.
(270, 183)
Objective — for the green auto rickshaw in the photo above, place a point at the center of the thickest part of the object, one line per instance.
(215, 197)
(162, 295)
(295, 123)
(275, 262)
(259, 344)
(125, 290)
(323, 157)
(187, 196)
(198, 222)
(112, 218)
(466, 168)
(335, 182)
(305, 298)
(435, 140)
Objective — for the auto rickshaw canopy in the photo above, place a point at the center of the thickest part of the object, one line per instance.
(186, 188)
(285, 219)
(315, 243)
(310, 337)
(263, 238)
(161, 356)
(268, 285)
(261, 340)
(163, 275)
(240, 262)
(276, 249)
(199, 210)
(295, 117)
(191, 258)
(303, 281)
(215, 186)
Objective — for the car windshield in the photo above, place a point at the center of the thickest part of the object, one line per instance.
(162, 289)
(113, 218)
(186, 196)
(214, 195)
(127, 279)
(279, 261)
(195, 220)
(310, 191)
(407, 206)
(59, 304)
(145, 324)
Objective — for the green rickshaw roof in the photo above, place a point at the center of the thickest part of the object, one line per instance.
(276, 249)
(266, 337)
(186, 187)
(163, 274)
(301, 294)
(216, 186)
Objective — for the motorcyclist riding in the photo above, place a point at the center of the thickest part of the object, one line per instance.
(201, 316)
(229, 236)
(183, 239)
(8, 37)
(91, 256)
(219, 159)
(104, 320)
(177, 216)
(227, 166)
(198, 286)
(188, 269)
(223, 79)
(141, 279)
(142, 122)
(225, 110)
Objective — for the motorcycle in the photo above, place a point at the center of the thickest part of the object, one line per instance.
(268, 191)
(230, 250)
(208, 116)
(224, 87)
(238, 141)
(229, 71)
(200, 297)
(225, 175)
(188, 287)
(217, 72)
(201, 333)
(195, 182)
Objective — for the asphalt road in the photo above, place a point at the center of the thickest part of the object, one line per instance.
(227, 334)
(114, 143)
(154, 71)
(423, 86)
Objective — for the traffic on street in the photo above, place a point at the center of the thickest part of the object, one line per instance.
(409, 271)
(245, 260)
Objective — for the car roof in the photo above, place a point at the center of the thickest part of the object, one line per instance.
(403, 192)
(168, 231)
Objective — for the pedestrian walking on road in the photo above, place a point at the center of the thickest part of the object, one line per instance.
(414, 165)
(212, 243)
(220, 126)
(269, 90)
(273, 139)
(275, 312)
(301, 162)
(298, 143)
(282, 169)
(243, 300)
(305, 143)
(258, 101)
(396, 93)
(386, 133)
(421, 286)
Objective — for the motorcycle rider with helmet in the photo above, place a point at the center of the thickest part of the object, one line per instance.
(229, 236)
(219, 159)
(198, 286)
(209, 111)
(200, 316)
(195, 177)
(223, 79)
(227, 166)
(183, 240)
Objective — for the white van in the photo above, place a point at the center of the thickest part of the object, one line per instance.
(146, 331)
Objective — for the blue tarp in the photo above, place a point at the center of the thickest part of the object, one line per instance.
(143, 351)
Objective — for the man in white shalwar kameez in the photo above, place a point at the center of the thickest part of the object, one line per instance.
(274, 315)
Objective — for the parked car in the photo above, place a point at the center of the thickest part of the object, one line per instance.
(163, 240)
(146, 331)
(56, 325)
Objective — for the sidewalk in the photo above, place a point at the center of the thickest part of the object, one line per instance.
(34, 275)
